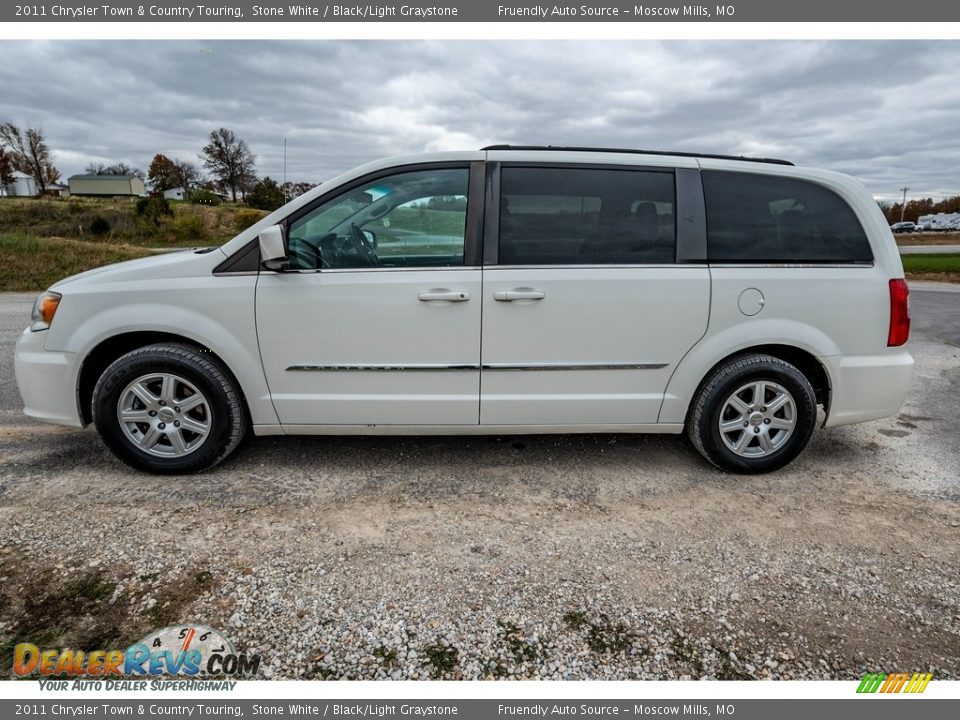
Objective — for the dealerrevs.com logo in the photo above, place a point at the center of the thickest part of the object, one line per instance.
(894, 683)
(184, 650)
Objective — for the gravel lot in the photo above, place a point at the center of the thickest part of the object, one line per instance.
(519, 557)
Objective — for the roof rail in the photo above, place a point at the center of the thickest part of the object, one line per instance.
(773, 161)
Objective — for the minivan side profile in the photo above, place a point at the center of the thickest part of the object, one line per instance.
(506, 290)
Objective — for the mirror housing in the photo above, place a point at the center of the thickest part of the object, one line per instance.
(273, 248)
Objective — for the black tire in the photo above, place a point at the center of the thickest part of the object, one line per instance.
(227, 418)
(703, 422)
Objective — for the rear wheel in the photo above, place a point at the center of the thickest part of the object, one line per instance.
(168, 409)
(754, 414)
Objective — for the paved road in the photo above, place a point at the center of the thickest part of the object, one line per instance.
(928, 249)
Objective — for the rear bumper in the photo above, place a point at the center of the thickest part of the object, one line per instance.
(867, 387)
(47, 381)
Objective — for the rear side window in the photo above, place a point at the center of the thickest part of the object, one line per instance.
(570, 216)
(754, 218)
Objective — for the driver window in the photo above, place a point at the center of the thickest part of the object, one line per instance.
(412, 219)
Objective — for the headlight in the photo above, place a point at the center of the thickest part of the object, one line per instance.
(43, 311)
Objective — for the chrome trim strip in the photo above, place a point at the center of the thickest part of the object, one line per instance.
(379, 368)
(340, 271)
(573, 366)
(862, 265)
(486, 366)
(597, 266)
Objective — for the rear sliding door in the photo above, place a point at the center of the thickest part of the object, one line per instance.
(586, 311)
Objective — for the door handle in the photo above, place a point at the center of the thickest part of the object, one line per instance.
(519, 294)
(443, 295)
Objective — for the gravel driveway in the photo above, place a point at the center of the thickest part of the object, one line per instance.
(546, 557)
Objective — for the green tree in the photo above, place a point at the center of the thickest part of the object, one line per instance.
(265, 195)
(229, 160)
(29, 153)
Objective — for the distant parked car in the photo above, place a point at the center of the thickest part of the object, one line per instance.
(904, 227)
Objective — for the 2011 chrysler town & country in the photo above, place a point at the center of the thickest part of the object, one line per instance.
(508, 290)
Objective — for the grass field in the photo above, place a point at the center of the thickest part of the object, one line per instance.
(30, 263)
(944, 267)
(45, 240)
(116, 220)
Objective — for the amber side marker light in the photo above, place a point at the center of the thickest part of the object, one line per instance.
(43, 311)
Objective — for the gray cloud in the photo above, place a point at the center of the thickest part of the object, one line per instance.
(886, 112)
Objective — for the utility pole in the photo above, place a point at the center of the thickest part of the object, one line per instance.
(285, 198)
(903, 205)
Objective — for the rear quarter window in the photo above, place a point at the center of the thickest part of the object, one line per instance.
(754, 218)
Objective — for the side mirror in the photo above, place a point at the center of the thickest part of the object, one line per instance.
(273, 251)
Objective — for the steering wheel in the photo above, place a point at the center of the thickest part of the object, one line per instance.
(306, 255)
(362, 246)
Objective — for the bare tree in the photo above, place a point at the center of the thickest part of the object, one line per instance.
(229, 160)
(29, 153)
(6, 169)
(187, 175)
(293, 190)
(120, 168)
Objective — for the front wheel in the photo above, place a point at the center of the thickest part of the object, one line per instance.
(168, 409)
(753, 414)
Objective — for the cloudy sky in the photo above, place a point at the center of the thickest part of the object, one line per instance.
(886, 112)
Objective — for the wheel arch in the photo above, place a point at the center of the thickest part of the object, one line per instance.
(110, 349)
(796, 343)
(803, 360)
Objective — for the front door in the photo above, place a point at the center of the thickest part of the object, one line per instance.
(585, 313)
(378, 321)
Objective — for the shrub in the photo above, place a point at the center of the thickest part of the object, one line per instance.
(191, 227)
(154, 209)
(99, 226)
(265, 195)
(245, 218)
(204, 197)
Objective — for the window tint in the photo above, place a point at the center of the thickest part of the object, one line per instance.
(414, 219)
(568, 216)
(765, 218)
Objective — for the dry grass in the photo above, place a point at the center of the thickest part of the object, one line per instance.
(929, 238)
(115, 220)
(34, 263)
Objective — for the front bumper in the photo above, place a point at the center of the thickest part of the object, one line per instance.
(867, 387)
(47, 381)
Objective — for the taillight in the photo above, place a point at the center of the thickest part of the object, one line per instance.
(899, 313)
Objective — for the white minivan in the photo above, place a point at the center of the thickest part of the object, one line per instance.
(507, 290)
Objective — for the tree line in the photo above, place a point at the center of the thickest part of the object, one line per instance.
(916, 208)
(226, 157)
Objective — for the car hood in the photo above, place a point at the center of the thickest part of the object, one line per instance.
(178, 264)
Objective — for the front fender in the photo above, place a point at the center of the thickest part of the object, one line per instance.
(221, 319)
